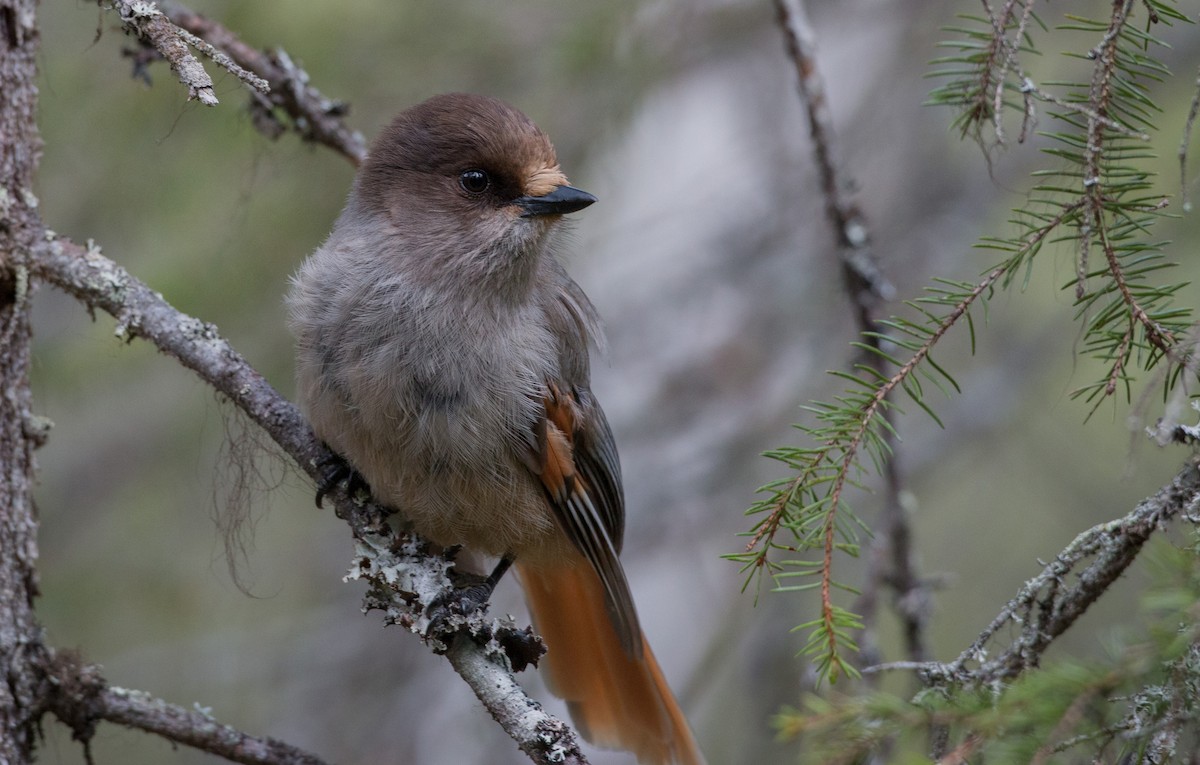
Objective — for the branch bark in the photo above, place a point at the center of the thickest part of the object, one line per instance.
(154, 29)
(290, 101)
(1051, 602)
(281, 97)
(81, 697)
(22, 653)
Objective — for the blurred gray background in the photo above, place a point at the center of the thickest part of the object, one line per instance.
(710, 259)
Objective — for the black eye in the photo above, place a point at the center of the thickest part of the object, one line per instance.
(474, 181)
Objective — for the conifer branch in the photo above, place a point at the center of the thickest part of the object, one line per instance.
(1100, 200)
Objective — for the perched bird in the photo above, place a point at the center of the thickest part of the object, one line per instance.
(442, 351)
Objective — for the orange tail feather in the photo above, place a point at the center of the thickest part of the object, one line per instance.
(616, 701)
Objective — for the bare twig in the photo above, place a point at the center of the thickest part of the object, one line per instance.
(868, 285)
(82, 697)
(403, 579)
(314, 116)
(1059, 597)
(281, 97)
(1028, 86)
(1000, 25)
(898, 666)
(1112, 547)
(145, 20)
(195, 728)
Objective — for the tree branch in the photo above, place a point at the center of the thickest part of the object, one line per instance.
(403, 578)
(82, 697)
(22, 650)
(281, 97)
(194, 728)
(315, 117)
(1049, 603)
(148, 23)
(866, 282)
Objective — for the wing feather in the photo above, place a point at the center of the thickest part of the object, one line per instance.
(576, 464)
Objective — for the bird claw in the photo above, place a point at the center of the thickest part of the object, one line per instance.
(449, 614)
(334, 470)
(469, 595)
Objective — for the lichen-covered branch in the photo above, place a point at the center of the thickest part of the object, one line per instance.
(81, 697)
(22, 651)
(195, 728)
(281, 97)
(291, 102)
(99, 283)
(148, 23)
(1051, 602)
(397, 571)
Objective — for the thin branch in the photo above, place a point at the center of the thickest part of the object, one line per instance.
(314, 116)
(195, 728)
(1028, 86)
(868, 285)
(1116, 372)
(148, 23)
(980, 106)
(225, 62)
(82, 697)
(999, 25)
(281, 96)
(1157, 335)
(402, 577)
(1099, 96)
(140, 312)
(1118, 367)
(898, 666)
(1113, 546)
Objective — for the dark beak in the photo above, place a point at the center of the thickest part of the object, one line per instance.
(563, 200)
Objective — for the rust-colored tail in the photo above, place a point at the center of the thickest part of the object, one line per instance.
(617, 701)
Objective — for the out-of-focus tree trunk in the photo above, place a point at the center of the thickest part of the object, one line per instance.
(22, 653)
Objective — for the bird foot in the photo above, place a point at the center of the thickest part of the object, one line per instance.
(335, 470)
(470, 594)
